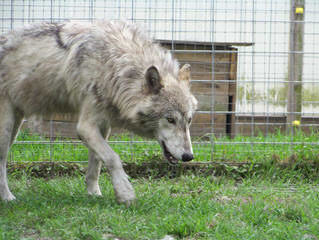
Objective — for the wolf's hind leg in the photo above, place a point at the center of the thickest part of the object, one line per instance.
(94, 169)
(93, 174)
(9, 125)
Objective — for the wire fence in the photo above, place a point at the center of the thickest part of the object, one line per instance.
(255, 68)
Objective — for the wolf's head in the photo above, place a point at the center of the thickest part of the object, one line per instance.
(167, 112)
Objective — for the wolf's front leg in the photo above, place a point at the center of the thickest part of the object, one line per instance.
(91, 135)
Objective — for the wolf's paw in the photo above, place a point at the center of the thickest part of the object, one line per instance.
(123, 189)
(95, 192)
(7, 197)
(127, 199)
(94, 189)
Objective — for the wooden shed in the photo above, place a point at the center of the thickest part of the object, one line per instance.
(214, 74)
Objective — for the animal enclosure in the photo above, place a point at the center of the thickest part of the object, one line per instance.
(254, 66)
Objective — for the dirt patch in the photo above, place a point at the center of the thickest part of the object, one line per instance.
(160, 169)
(46, 169)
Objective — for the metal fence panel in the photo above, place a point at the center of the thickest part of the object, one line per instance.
(240, 53)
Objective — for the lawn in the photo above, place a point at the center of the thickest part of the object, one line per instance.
(186, 207)
(267, 199)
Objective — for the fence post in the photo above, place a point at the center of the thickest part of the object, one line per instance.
(11, 14)
(295, 63)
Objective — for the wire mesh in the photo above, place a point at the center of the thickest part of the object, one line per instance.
(239, 51)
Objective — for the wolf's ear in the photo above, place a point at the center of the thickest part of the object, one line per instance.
(185, 73)
(153, 80)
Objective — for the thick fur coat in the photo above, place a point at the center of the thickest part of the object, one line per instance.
(110, 74)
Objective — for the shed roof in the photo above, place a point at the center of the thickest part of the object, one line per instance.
(228, 44)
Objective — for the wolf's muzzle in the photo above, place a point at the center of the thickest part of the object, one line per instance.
(186, 157)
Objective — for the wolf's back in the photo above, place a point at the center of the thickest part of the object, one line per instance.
(49, 67)
(31, 69)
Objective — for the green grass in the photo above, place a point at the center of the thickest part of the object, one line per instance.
(271, 202)
(239, 149)
(187, 207)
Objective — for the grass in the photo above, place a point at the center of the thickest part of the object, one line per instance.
(239, 149)
(247, 203)
(187, 207)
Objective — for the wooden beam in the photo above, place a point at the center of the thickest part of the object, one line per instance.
(295, 63)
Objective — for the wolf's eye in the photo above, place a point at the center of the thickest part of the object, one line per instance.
(170, 120)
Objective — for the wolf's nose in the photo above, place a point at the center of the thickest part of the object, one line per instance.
(186, 157)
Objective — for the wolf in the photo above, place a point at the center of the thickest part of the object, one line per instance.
(108, 73)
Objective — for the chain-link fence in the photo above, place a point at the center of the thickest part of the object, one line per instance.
(255, 68)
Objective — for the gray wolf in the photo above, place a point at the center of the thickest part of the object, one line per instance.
(109, 74)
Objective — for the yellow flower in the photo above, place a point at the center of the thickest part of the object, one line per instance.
(296, 123)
